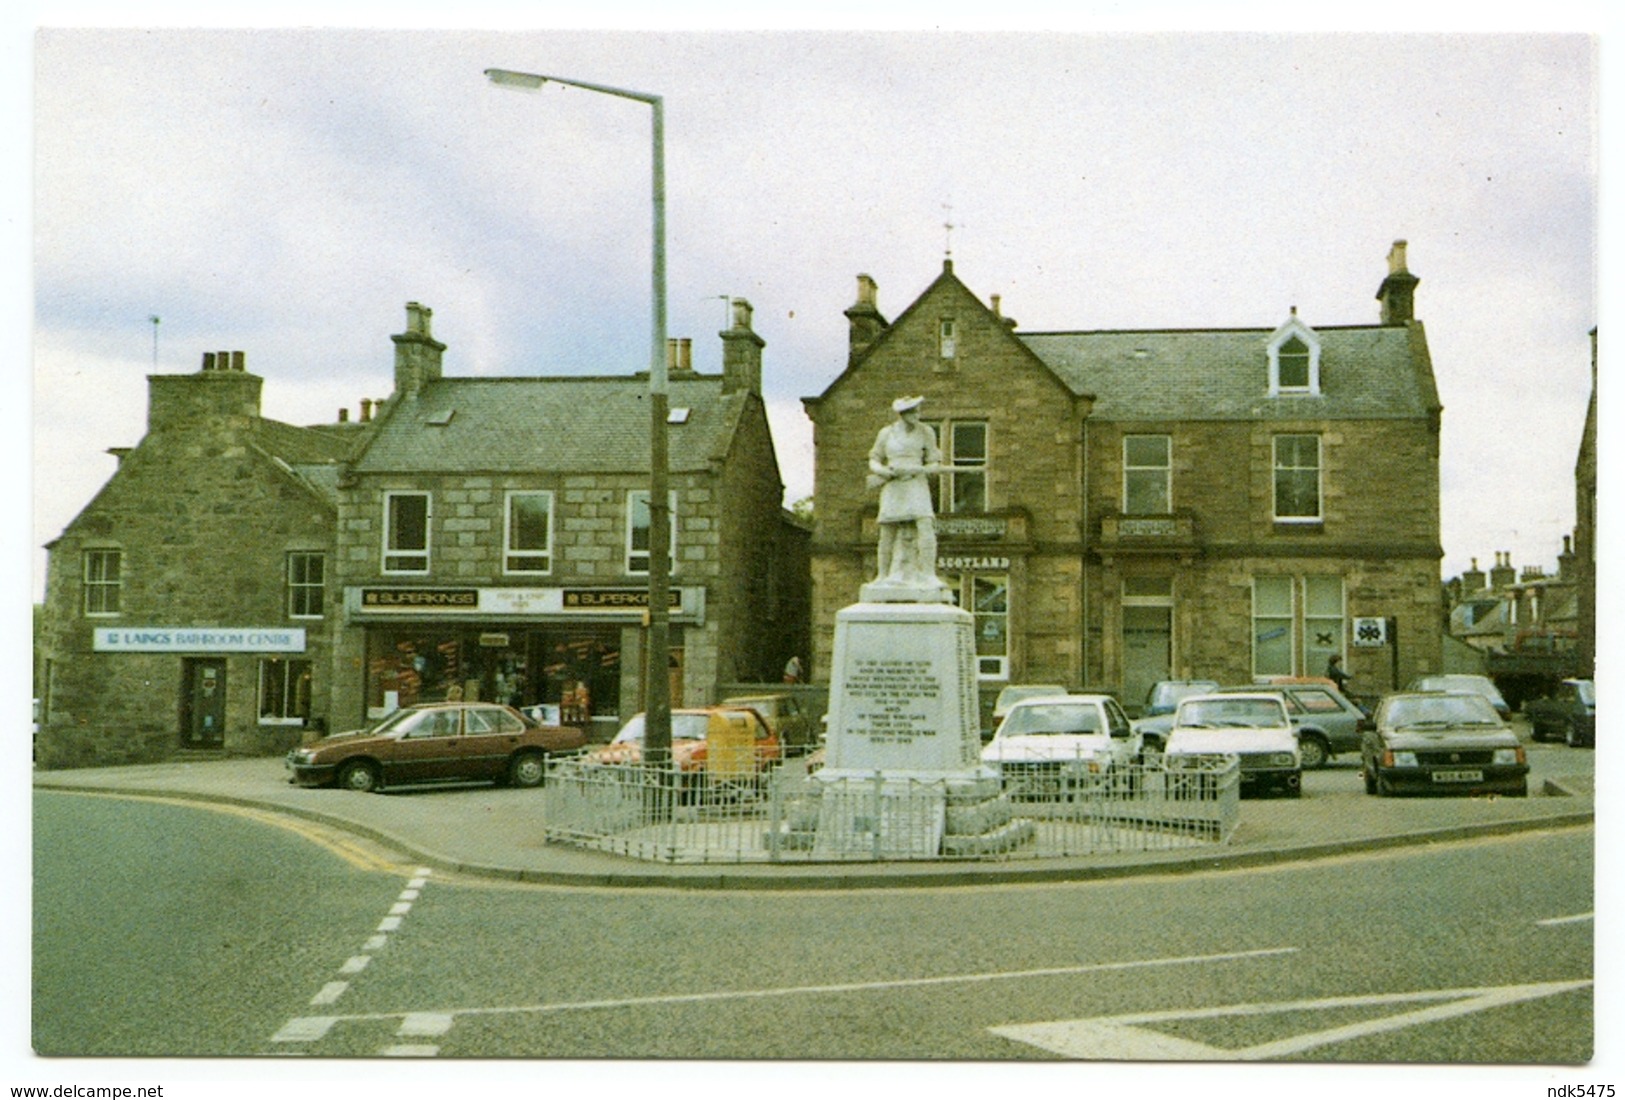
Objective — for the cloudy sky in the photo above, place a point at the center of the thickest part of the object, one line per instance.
(286, 192)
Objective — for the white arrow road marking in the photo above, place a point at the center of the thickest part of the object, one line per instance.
(1121, 1038)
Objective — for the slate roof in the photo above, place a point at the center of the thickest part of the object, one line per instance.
(1366, 372)
(562, 424)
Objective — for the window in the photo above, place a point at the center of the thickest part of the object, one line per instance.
(637, 531)
(1147, 475)
(964, 451)
(529, 542)
(946, 338)
(1297, 624)
(104, 580)
(1294, 360)
(1297, 479)
(284, 691)
(307, 583)
(406, 532)
(987, 597)
(1292, 365)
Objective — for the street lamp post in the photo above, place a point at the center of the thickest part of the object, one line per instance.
(657, 681)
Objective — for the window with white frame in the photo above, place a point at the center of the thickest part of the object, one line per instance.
(1297, 624)
(406, 532)
(284, 690)
(637, 531)
(947, 338)
(963, 487)
(104, 581)
(307, 584)
(1297, 479)
(1147, 475)
(987, 597)
(528, 542)
(1294, 360)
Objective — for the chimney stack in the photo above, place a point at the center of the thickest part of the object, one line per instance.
(417, 353)
(865, 323)
(1503, 573)
(1398, 291)
(741, 353)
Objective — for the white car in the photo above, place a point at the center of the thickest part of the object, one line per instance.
(1253, 727)
(1054, 745)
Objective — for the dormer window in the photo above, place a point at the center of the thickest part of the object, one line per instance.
(1294, 359)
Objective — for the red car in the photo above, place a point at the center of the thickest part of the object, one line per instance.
(432, 742)
(719, 743)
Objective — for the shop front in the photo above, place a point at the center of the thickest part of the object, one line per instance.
(574, 652)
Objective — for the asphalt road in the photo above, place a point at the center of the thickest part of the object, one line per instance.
(180, 930)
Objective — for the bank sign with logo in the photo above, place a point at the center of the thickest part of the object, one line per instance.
(191, 639)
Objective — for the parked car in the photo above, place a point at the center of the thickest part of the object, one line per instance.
(1462, 681)
(1252, 726)
(711, 743)
(1051, 746)
(1012, 694)
(785, 716)
(1569, 712)
(434, 742)
(1442, 741)
(1327, 721)
(1160, 702)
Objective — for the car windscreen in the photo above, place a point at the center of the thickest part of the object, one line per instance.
(1230, 713)
(1419, 712)
(684, 727)
(1042, 718)
(1587, 690)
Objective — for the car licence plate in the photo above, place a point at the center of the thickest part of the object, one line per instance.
(1465, 776)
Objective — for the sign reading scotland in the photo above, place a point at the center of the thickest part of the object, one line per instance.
(190, 639)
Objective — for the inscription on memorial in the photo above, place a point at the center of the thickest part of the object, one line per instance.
(893, 701)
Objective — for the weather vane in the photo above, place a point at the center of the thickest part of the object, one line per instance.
(154, 319)
(948, 228)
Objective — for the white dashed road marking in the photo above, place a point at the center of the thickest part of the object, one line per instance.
(436, 1023)
(1553, 922)
(309, 1029)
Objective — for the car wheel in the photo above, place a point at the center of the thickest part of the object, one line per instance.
(1522, 790)
(528, 769)
(1536, 733)
(1383, 789)
(1314, 752)
(359, 775)
(1294, 785)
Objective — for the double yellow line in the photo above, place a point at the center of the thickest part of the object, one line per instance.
(358, 854)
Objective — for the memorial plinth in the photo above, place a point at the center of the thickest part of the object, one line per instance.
(903, 775)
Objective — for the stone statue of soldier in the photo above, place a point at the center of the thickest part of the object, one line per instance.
(901, 463)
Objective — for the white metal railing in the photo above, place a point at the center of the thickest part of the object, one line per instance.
(786, 814)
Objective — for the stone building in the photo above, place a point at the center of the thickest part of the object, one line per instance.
(493, 537)
(1127, 506)
(187, 605)
(239, 579)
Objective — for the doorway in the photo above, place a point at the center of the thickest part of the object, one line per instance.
(203, 703)
(1148, 635)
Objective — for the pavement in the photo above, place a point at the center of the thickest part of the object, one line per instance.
(498, 832)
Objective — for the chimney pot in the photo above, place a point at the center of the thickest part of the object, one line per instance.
(685, 354)
(366, 409)
(344, 416)
(208, 360)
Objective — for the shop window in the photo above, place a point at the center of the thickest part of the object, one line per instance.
(1297, 624)
(987, 597)
(406, 532)
(1297, 479)
(528, 545)
(963, 488)
(307, 584)
(1147, 475)
(284, 691)
(637, 531)
(104, 581)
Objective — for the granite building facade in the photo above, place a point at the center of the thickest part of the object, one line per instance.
(1127, 506)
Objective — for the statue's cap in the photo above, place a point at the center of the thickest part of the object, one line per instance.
(903, 404)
